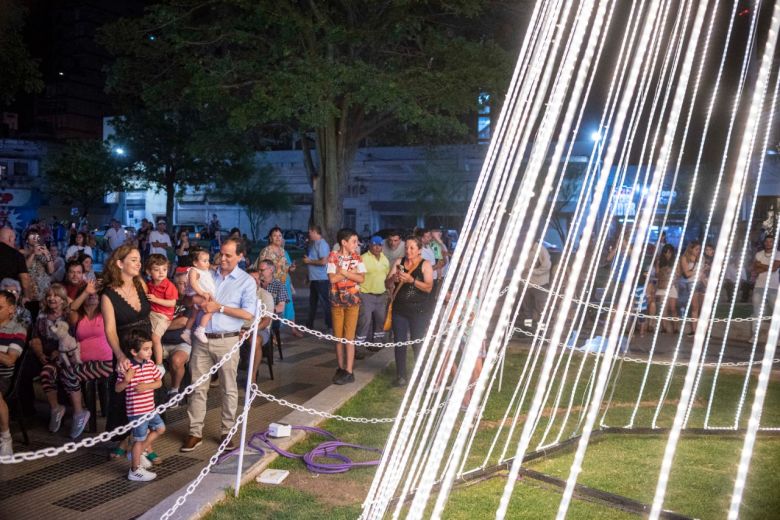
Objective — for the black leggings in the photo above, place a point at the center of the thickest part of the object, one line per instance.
(408, 327)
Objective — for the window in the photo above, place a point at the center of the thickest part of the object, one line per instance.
(21, 168)
(350, 218)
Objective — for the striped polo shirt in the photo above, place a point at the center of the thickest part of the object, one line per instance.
(139, 403)
(12, 337)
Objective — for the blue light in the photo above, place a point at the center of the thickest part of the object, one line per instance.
(595, 136)
(152, 37)
(119, 150)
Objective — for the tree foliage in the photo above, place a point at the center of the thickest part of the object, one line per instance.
(83, 172)
(170, 142)
(338, 71)
(258, 190)
(20, 72)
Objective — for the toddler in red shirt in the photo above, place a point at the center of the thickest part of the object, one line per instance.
(162, 294)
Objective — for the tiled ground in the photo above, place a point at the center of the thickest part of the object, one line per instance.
(87, 485)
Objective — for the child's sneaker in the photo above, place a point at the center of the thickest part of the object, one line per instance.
(80, 421)
(200, 335)
(145, 462)
(6, 446)
(141, 475)
(186, 336)
(55, 419)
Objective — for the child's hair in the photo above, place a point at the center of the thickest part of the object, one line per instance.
(345, 234)
(134, 341)
(195, 253)
(10, 298)
(154, 260)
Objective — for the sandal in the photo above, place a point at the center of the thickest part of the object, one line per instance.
(117, 453)
(153, 457)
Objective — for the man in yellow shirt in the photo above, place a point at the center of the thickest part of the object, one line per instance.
(373, 294)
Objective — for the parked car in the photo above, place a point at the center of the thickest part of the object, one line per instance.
(194, 231)
(295, 237)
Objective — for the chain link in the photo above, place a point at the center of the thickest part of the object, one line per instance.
(609, 310)
(89, 442)
(212, 462)
(330, 337)
(656, 362)
(327, 415)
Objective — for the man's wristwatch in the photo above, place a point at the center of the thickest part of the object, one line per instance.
(222, 309)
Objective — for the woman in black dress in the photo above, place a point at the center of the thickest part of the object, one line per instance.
(411, 305)
(125, 309)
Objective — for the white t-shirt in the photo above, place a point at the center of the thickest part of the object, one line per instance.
(115, 237)
(74, 250)
(156, 236)
(427, 254)
(774, 281)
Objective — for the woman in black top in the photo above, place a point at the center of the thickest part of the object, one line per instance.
(125, 309)
(412, 302)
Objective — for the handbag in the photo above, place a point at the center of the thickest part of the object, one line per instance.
(389, 315)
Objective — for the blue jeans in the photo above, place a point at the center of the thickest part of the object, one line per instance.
(319, 290)
(141, 431)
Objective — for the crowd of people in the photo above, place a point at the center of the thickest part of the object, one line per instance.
(163, 305)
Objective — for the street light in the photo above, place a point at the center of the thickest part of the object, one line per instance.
(119, 150)
(595, 136)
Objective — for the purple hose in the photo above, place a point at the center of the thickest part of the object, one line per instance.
(325, 450)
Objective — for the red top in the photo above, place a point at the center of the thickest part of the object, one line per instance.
(139, 403)
(167, 291)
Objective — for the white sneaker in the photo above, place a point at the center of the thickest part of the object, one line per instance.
(186, 336)
(200, 335)
(141, 475)
(161, 368)
(6, 446)
(145, 462)
(55, 419)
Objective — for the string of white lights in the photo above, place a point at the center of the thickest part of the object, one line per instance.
(718, 263)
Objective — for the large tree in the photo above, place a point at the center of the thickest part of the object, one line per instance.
(338, 71)
(82, 172)
(19, 71)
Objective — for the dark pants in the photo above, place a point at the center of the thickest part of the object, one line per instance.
(319, 290)
(408, 327)
(30, 369)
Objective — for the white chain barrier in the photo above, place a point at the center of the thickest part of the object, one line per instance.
(653, 362)
(213, 461)
(71, 447)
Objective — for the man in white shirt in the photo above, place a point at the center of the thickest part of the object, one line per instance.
(765, 278)
(159, 240)
(115, 236)
(533, 303)
(394, 248)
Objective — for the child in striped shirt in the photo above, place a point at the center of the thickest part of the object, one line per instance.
(139, 383)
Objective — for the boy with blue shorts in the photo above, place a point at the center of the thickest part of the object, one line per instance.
(139, 383)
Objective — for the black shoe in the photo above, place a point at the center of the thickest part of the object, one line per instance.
(337, 376)
(346, 377)
(400, 382)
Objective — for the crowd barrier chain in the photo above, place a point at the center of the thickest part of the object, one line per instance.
(663, 363)
(89, 442)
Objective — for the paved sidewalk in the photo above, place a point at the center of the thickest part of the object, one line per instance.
(87, 485)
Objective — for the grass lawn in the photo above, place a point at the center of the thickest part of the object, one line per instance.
(700, 483)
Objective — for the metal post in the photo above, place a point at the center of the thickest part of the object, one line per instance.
(247, 399)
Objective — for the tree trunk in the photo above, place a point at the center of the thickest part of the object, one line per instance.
(336, 152)
(170, 194)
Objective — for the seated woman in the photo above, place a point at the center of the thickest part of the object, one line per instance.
(44, 345)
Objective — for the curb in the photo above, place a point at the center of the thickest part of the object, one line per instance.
(213, 489)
